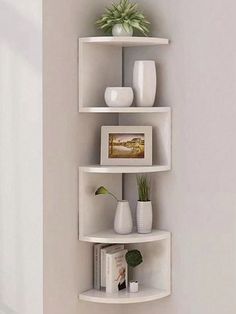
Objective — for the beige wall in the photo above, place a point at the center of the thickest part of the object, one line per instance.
(196, 201)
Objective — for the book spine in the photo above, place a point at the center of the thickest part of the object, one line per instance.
(108, 273)
(103, 268)
(95, 268)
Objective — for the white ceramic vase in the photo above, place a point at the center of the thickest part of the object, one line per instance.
(144, 83)
(123, 223)
(144, 217)
(118, 30)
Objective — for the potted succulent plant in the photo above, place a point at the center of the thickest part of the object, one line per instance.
(144, 205)
(122, 18)
(133, 259)
(123, 223)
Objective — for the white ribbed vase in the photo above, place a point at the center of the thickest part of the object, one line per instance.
(144, 217)
(123, 223)
(144, 83)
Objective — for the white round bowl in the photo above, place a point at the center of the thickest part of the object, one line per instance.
(119, 96)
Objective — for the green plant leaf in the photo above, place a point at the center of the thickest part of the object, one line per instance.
(101, 190)
(133, 258)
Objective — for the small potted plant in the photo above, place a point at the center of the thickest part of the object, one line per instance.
(121, 18)
(144, 205)
(123, 223)
(133, 259)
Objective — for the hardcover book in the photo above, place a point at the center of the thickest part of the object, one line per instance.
(116, 271)
(104, 251)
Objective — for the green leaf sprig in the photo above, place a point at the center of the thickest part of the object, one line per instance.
(144, 187)
(104, 191)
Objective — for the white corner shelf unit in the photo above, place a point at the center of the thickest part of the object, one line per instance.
(100, 65)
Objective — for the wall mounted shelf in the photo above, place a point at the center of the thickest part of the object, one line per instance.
(145, 294)
(154, 275)
(125, 41)
(109, 236)
(100, 66)
(124, 169)
(125, 110)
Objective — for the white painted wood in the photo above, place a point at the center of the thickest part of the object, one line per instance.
(109, 236)
(123, 297)
(126, 41)
(96, 213)
(124, 169)
(124, 110)
(99, 68)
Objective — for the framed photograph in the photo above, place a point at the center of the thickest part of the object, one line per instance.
(126, 145)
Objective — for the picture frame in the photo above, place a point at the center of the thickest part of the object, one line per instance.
(126, 145)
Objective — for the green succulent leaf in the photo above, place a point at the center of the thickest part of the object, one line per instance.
(126, 13)
(133, 258)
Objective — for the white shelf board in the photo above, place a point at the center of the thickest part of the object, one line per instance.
(124, 169)
(144, 294)
(124, 109)
(110, 236)
(125, 41)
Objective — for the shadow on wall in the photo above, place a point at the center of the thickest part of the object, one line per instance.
(21, 34)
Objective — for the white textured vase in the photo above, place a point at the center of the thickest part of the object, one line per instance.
(144, 217)
(118, 30)
(144, 83)
(123, 223)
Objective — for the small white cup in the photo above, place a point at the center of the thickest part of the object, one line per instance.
(133, 286)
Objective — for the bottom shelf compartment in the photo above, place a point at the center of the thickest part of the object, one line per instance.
(153, 275)
(144, 294)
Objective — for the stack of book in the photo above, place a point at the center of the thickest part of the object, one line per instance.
(110, 267)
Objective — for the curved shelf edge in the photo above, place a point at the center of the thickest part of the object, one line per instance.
(124, 109)
(109, 236)
(144, 294)
(125, 41)
(124, 169)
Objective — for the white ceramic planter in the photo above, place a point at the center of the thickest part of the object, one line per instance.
(144, 83)
(119, 96)
(144, 217)
(118, 30)
(123, 223)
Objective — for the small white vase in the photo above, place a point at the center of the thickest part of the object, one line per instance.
(123, 223)
(144, 217)
(118, 30)
(144, 83)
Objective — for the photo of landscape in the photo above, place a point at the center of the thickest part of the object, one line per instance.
(123, 145)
